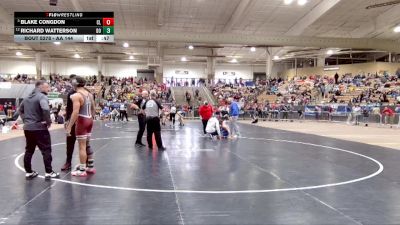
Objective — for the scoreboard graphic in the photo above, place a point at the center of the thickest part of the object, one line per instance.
(64, 27)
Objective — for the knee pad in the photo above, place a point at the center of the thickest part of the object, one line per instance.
(89, 150)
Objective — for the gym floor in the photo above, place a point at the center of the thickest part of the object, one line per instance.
(267, 176)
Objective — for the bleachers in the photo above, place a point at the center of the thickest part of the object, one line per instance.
(264, 97)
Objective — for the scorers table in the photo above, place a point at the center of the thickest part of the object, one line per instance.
(64, 26)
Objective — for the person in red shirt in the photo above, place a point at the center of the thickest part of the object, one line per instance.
(205, 112)
(388, 113)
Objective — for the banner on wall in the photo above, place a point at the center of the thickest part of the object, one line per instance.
(53, 95)
(309, 110)
(331, 68)
(181, 72)
(229, 73)
(249, 83)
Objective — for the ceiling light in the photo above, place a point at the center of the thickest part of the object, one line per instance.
(57, 43)
(77, 56)
(234, 61)
(329, 52)
(397, 29)
(288, 2)
(253, 49)
(131, 57)
(184, 59)
(301, 2)
(276, 57)
(18, 53)
(126, 45)
(191, 47)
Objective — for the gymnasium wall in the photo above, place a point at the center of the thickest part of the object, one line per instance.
(120, 69)
(233, 71)
(83, 68)
(14, 67)
(185, 71)
(361, 68)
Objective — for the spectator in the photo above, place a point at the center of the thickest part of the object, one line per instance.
(205, 112)
(188, 97)
(115, 114)
(388, 113)
(336, 78)
(172, 114)
(122, 112)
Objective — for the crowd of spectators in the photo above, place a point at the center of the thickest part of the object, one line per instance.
(261, 97)
(361, 94)
(20, 79)
(123, 91)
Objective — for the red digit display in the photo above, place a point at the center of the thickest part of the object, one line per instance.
(108, 21)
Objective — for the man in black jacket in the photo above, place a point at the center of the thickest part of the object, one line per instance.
(35, 112)
(336, 78)
(72, 138)
(141, 117)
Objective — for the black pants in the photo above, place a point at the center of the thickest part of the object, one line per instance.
(142, 127)
(215, 133)
(172, 118)
(285, 115)
(71, 145)
(153, 126)
(204, 125)
(40, 138)
(123, 114)
(300, 113)
(56, 116)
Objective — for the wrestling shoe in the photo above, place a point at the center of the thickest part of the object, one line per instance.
(91, 170)
(66, 167)
(79, 173)
(49, 176)
(140, 145)
(32, 175)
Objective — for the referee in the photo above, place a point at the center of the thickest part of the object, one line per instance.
(141, 117)
(152, 110)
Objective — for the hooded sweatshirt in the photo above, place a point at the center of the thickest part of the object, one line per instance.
(205, 112)
(35, 111)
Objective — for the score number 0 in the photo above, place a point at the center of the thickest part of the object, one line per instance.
(106, 22)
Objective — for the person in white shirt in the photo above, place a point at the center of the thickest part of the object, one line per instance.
(122, 112)
(172, 114)
(213, 128)
(356, 114)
